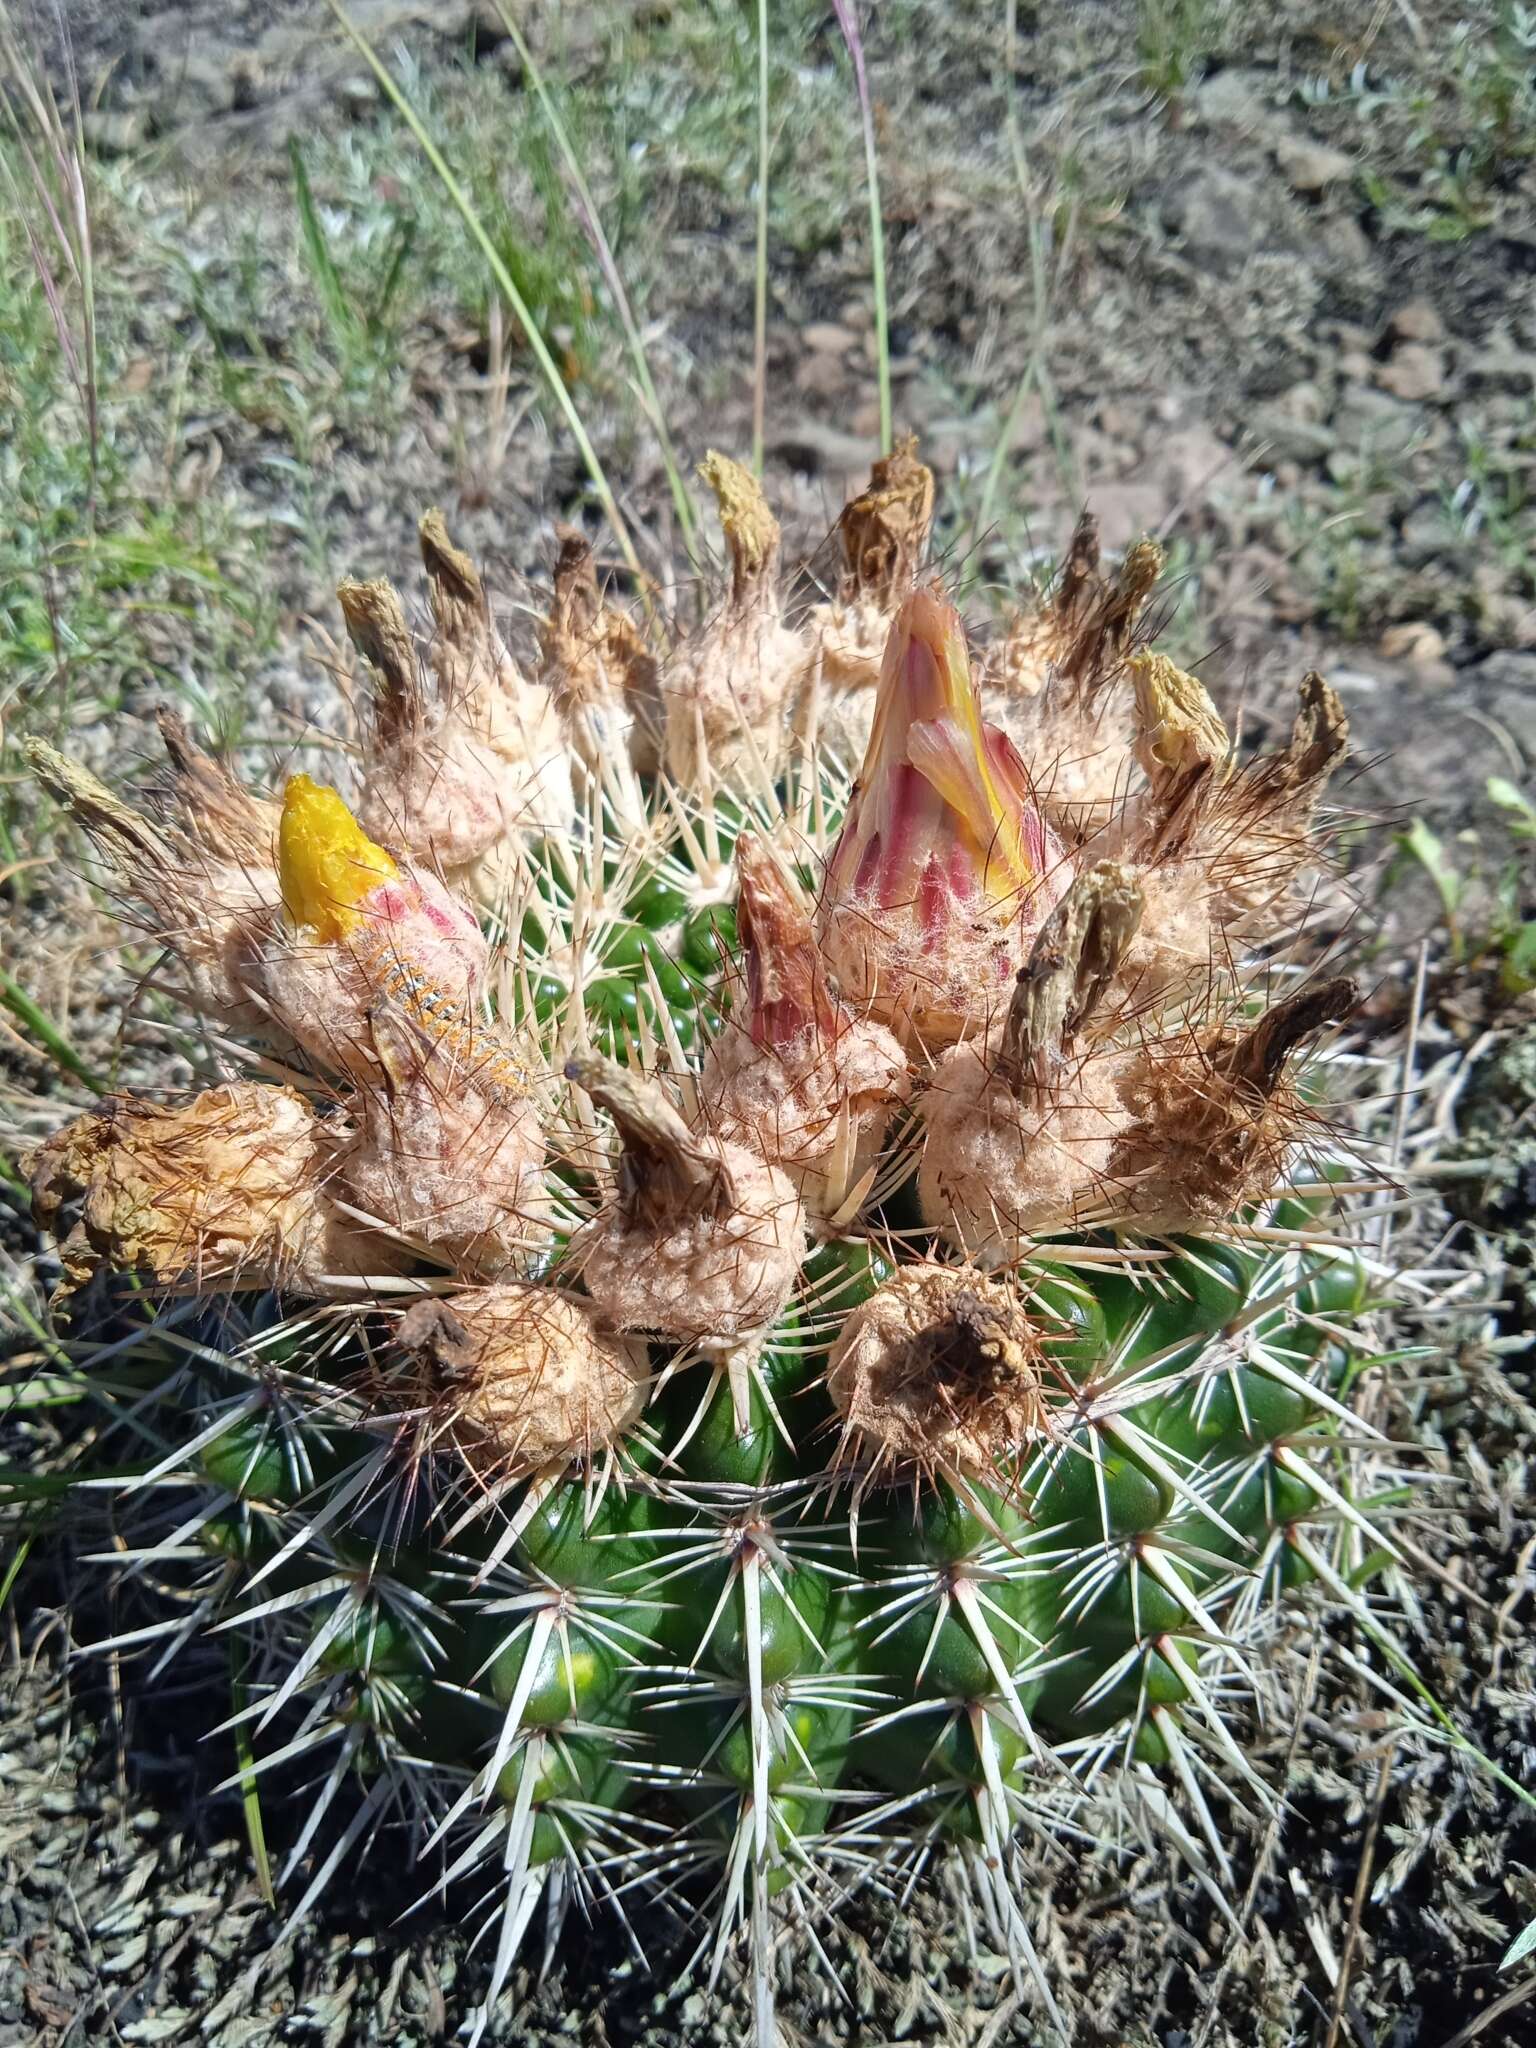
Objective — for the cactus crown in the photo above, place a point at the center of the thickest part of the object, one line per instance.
(810, 1343)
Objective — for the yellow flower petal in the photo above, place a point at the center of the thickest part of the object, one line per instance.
(326, 863)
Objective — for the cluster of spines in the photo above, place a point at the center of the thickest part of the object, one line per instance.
(726, 1659)
(803, 1626)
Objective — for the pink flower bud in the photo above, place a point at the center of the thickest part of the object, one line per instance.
(944, 867)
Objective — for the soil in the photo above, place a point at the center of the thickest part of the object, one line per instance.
(1277, 333)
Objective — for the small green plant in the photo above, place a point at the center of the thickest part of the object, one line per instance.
(358, 310)
(1507, 935)
(1467, 135)
(1175, 40)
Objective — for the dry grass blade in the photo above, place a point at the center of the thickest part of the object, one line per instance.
(592, 226)
(51, 145)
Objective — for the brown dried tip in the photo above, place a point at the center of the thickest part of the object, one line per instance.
(217, 810)
(467, 656)
(377, 626)
(458, 595)
(1094, 619)
(592, 657)
(519, 1377)
(939, 1369)
(1180, 737)
(1075, 957)
(1215, 1124)
(1256, 1058)
(787, 987)
(225, 1188)
(885, 529)
(751, 531)
(1292, 781)
(123, 834)
(665, 1175)
(1080, 571)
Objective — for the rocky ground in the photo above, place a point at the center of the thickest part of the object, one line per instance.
(1255, 278)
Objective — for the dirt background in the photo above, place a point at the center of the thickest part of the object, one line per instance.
(1256, 278)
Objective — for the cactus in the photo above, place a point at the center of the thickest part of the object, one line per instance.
(806, 1334)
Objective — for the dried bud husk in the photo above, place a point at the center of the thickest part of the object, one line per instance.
(1054, 682)
(358, 929)
(944, 867)
(204, 901)
(699, 1239)
(797, 1076)
(1222, 850)
(464, 758)
(1018, 1140)
(884, 533)
(597, 669)
(939, 1370)
(1272, 804)
(728, 689)
(518, 1378)
(229, 1188)
(450, 1147)
(1215, 1120)
(214, 808)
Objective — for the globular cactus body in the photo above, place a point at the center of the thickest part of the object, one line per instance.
(789, 1396)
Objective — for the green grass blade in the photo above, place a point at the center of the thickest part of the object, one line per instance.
(404, 243)
(403, 105)
(29, 1532)
(1035, 375)
(847, 21)
(40, 1026)
(687, 516)
(250, 1795)
(328, 279)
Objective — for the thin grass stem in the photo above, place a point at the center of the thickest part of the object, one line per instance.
(760, 281)
(847, 21)
(48, 1035)
(404, 106)
(591, 222)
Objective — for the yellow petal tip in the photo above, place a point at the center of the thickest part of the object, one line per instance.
(326, 862)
